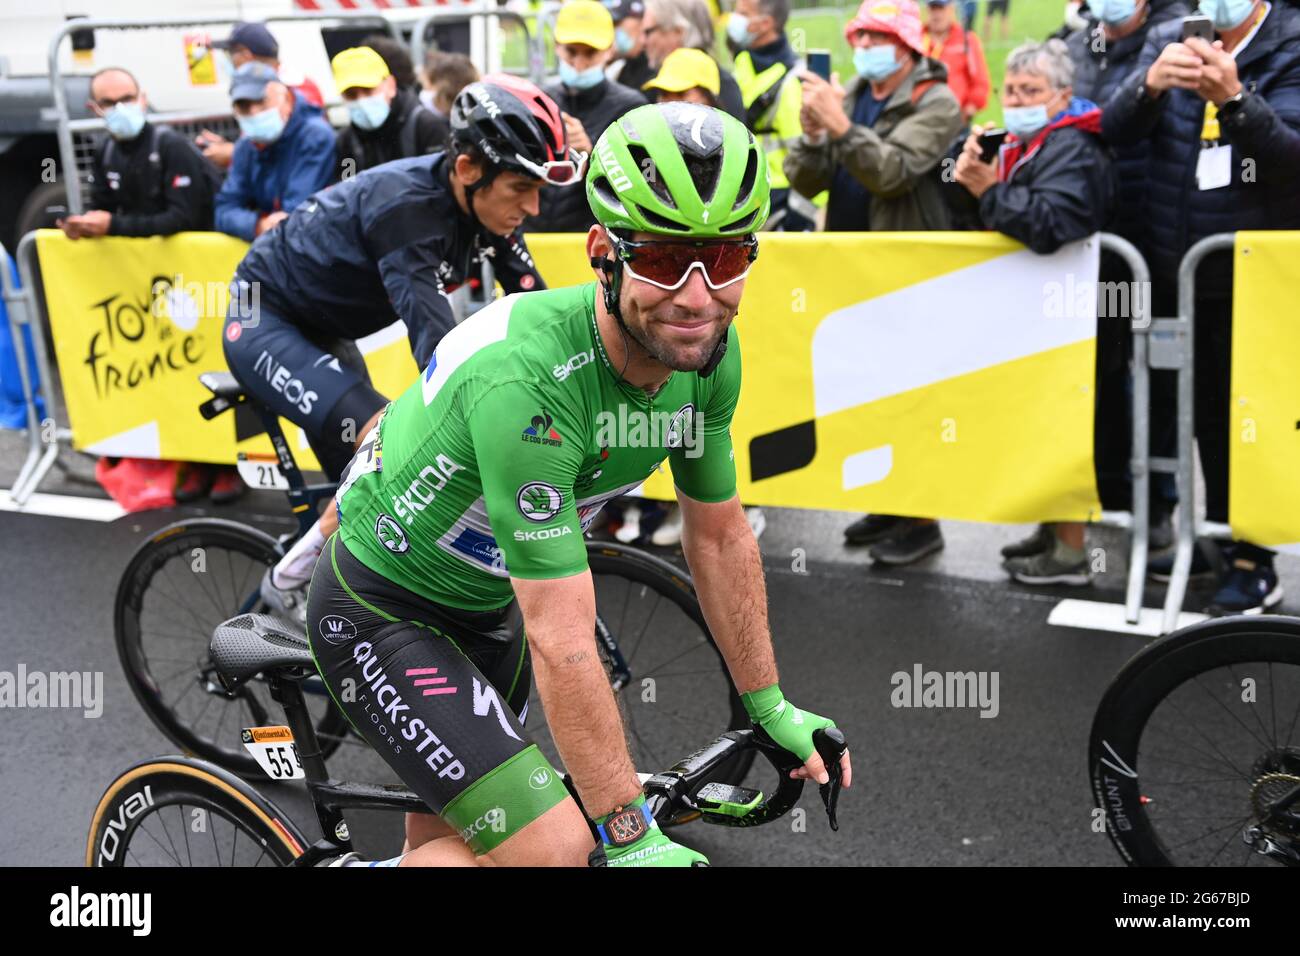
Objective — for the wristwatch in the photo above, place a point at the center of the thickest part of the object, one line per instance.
(625, 825)
(1232, 104)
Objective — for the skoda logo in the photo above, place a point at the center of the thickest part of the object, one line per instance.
(391, 535)
(677, 427)
(539, 501)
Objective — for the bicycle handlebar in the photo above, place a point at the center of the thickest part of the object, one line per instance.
(681, 787)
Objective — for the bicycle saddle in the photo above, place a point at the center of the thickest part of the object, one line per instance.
(252, 643)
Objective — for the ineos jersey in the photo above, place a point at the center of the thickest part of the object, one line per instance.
(386, 244)
(493, 464)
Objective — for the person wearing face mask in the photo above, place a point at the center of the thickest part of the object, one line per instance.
(251, 43)
(1221, 123)
(443, 77)
(588, 101)
(1052, 183)
(286, 153)
(146, 180)
(876, 146)
(630, 65)
(1104, 52)
(764, 67)
(387, 121)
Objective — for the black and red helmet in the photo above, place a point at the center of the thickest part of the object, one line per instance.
(516, 127)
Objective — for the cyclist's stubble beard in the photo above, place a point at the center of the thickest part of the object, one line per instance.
(645, 328)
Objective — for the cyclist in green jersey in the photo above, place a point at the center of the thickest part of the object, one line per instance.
(470, 497)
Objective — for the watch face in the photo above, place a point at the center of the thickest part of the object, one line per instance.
(626, 826)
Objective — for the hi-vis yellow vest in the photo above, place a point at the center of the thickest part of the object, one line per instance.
(778, 126)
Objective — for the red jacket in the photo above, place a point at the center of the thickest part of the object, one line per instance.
(968, 73)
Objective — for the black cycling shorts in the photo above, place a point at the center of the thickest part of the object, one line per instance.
(318, 384)
(440, 693)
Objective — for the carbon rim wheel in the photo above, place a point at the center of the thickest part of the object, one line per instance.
(179, 585)
(680, 695)
(1196, 736)
(175, 811)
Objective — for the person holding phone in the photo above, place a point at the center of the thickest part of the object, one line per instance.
(1216, 98)
(876, 146)
(1051, 182)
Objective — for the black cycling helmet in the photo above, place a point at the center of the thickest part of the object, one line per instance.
(516, 127)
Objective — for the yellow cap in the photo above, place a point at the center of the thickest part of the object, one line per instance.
(686, 68)
(358, 67)
(586, 22)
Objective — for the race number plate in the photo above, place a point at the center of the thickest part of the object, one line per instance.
(274, 750)
(260, 471)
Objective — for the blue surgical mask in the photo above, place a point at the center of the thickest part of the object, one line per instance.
(124, 121)
(1227, 14)
(369, 112)
(262, 128)
(1115, 12)
(738, 30)
(875, 63)
(1024, 121)
(581, 79)
(623, 41)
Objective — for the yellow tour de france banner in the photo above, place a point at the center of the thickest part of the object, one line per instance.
(940, 374)
(135, 321)
(1264, 447)
(944, 374)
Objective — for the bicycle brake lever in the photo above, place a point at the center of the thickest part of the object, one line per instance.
(830, 744)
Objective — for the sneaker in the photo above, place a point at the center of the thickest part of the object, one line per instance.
(1036, 543)
(757, 521)
(227, 487)
(288, 603)
(1162, 568)
(195, 481)
(1053, 566)
(630, 529)
(669, 532)
(871, 528)
(910, 543)
(1249, 588)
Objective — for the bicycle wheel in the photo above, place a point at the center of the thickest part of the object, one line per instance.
(679, 692)
(1195, 736)
(179, 585)
(177, 811)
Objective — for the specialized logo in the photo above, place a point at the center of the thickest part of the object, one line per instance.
(431, 685)
(540, 431)
(613, 171)
(485, 701)
(573, 363)
(281, 379)
(544, 533)
(336, 629)
(538, 501)
(424, 489)
(539, 779)
(391, 535)
(392, 717)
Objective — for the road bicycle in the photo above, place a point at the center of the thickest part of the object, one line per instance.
(183, 811)
(1195, 749)
(663, 664)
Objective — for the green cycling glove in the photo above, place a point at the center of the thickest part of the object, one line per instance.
(785, 723)
(631, 837)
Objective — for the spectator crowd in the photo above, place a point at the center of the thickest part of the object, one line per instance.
(1126, 120)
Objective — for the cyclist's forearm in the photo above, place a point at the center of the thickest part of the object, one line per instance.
(728, 573)
(576, 695)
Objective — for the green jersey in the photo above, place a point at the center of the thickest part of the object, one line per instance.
(494, 463)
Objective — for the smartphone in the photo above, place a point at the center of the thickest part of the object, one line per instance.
(1198, 27)
(991, 141)
(819, 62)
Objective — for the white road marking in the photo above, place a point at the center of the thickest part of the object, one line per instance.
(1103, 616)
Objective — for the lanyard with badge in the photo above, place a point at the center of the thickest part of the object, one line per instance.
(1214, 164)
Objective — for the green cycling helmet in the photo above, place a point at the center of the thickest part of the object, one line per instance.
(679, 169)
